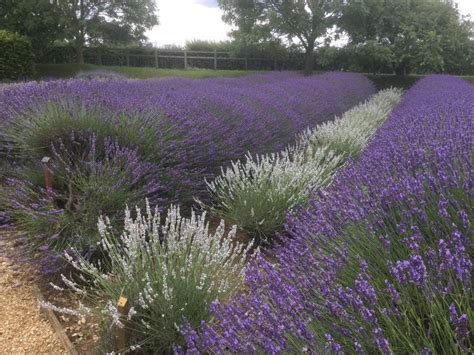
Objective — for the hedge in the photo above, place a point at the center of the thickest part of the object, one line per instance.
(16, 56)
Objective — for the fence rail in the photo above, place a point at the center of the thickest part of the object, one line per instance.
(166, 58)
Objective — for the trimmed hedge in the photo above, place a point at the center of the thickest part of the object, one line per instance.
(16, 56)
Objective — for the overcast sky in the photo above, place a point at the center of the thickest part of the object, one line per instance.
(185, 20)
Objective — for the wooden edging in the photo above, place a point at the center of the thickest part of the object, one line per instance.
(57, 327)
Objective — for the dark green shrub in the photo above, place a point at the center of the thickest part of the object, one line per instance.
(208, 46)
(385, 81)
(16, 56)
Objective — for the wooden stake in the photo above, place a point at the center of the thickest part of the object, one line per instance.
(122, 332)
(48, 178)
(215, 59)
(59, 330)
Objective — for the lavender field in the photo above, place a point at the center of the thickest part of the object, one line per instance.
(380, 262)
(271, 213)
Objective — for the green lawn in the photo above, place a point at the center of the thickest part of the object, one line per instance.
(382, 81)
(468, 78)
(69, 70)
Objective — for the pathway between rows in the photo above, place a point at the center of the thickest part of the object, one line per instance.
(23, 329)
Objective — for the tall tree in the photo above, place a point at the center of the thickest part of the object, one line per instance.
(296, 21)
(39, 20)
(79, 21)
(422, 34)
(102, 21)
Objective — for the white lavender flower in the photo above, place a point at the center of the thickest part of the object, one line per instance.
(165, 270)
(64, 310)
(113, 313)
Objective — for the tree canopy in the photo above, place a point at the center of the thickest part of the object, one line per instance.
(39, 20)
(426, 35)
(384, 35)
(294, 21)
(79, 21)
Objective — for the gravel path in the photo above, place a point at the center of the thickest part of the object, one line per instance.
(23, 329)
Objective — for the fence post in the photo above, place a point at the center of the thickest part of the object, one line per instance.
(128, 58)
(215, 59)
(122, 332)
(48, 179)
(156, 58)
(185, 59)
(246, 64)
(99, 56)
(274, 64)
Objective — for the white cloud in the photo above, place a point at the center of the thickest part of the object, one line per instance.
(466, 7)
(182, 20)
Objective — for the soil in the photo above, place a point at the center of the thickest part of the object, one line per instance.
(23, 328)
(83, 333)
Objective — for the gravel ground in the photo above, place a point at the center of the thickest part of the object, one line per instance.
(23, 329)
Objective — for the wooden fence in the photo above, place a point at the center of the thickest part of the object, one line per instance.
(165, 58)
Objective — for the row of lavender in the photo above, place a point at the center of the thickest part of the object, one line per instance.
(114, 142)
(381, 261)
(189, 127)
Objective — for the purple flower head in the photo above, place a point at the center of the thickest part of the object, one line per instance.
(412, 270)
(460, 323)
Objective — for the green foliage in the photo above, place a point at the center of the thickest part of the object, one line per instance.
(16, 56)
(372, 57)
(469, 78)
(121, 21)
(79, 22)
(208, 46)
(34, 131)
(423, 36)
(289, 20)
(243, 45)
(256, 193)
(385, 81)
(369, 57)
(79, 196)
(331, 58)
(39, 20)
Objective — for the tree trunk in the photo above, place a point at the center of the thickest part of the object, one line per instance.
(309, 60)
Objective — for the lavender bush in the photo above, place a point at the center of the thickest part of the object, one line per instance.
(91, 176)
(381, 261)
(167, 270)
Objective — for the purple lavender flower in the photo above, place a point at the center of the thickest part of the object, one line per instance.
(460, 323)
(195, 126)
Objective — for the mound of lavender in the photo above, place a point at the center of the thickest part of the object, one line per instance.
(381, 261)
(190, 126)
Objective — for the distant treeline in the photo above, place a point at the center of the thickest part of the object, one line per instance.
(369, 57)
